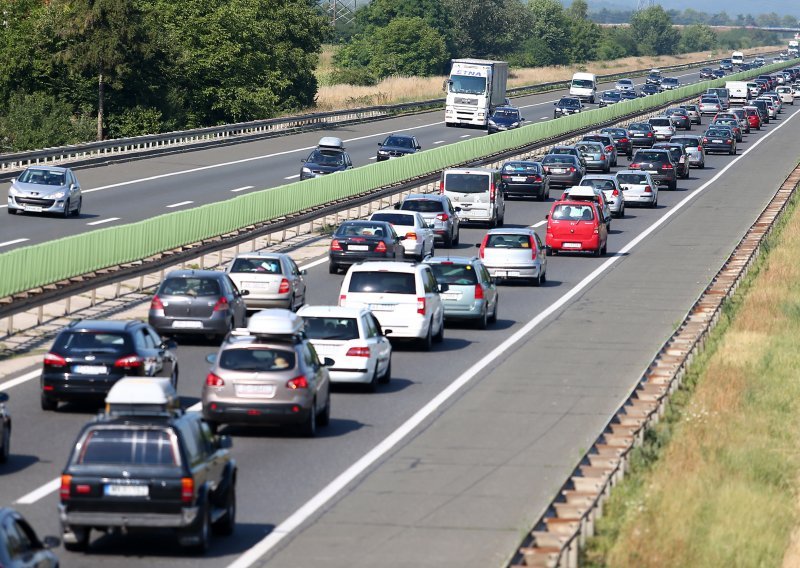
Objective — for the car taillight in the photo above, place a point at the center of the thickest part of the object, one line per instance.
(624, 140)
(156, 303)
(129, 362)
(421, 305)
(335, 245)
(213, 380)
(297, 383)
(441, 186)
(666, 167)
(649, 134)
(728, 141)
(284, 287)
(602, 156)
(635, 166)
(537, 179)
(546, 169)
(381, 247)
(443, 217)
(491, 191)
(221, 305)
(705, 140)
(648, 189)
(571, 169)
(358, 352)
(532, 242)
(482, 250)
(609, 148)
(615, 193)
(54, 360)
(410, 236)
(700, 149)
(187, 489)
(342, 299)
(66, 483)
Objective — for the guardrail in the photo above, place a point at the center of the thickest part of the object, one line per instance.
(561, 532)
(127, 148)
(57, 261)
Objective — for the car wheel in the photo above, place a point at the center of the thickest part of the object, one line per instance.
(439, 337)
(66, 213)
(226, 524)
(387, 376)
(673, 185)
(549, 251)
(81, 539)
(324, 417)
(447, 241)
(77, 212)
(501, 221)
(702, 165)
(173, 380)
(483, 321)
(309, 427)
(333, 268)
(427, 342)
(291, 307)
(457, 238)
(493, 316)
(213, 426)
(599, 250)
(5, 451)
(202, 537)
(48, 403)
(538, 280)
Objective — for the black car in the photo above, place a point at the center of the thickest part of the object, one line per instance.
(670, 83)
(610, 98)
(622, 140)
(658, 163)
(397, 145)
(679, 158)
(328, 157)
(20, 547)
(719, 139)
(148, 470)
(649, 89)
(5, 430)
(504, 118)
(564, 170)
(525, 179)
(567, 105)
(355, 241)
(642, 134)
(89, 356)
(680, 117)
(653, 79)
(628, 95)
(706, 73)
(719, 73)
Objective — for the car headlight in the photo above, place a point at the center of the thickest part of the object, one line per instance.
(492, 122)
(514, 124)
(58, 194)
(13, 191)
(306, 170)
(383, 153)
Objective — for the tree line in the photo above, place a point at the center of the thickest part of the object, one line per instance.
(419, 37)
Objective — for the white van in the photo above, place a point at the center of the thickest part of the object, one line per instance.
(478, 192)
(583, 86)
(737, 58)
(738, 92)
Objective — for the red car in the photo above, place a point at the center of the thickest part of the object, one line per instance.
(576, 226)
(753, 117)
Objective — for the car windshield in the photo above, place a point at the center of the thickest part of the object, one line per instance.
(41, 177)
(612, 95)
(690, 142)
(394, 218)
(189, 287)
(598, 183)
(648, 156)
(559, 159)
(563, 150)
(467, 85)
(467, 183)
(378, 282)
(422, 205)
(506, 114)
(258, 265)
(361, 230)
(399, 142)
(128, 447)
(573, 212)
(521, 167)
(582, 83)
(600, 139)
(326, 158)
(632, 179)
(670, 80)
(93, 342)
(624, 82)
(330, 328)
(616, 132)
(256, 360)
(454, 274)
(569, 103)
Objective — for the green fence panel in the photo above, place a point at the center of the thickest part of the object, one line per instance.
(30, 267)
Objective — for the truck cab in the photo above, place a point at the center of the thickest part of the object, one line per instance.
(583, 86)
(474, 89)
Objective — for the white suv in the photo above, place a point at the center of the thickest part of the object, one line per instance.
(403, 297)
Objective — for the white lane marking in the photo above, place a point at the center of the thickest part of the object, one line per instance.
(15, 241)
(465, 135)
(39, 493)
(439, 142)
(179, 204)
(543, 117)
(245, 188)
(319, 500)
(103, 221)
(19, 380)
(374, 158)
(539, 224)
(295, 176)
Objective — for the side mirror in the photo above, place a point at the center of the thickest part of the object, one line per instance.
(211, 358)
(401, 238)
(555, 104)
(13, 179)
(224, 442)
(443, 288)
(477, 245)
(380, 144)
(457, 209)
(387, 332)
(304, 272)
(328, 362)
(3, 397)
(418, 147)
(169, 344)
(397, 205)
(244, 292)
(51, 542)
(547, 216)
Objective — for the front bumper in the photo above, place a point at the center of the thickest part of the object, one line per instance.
(77, 519)
(31, 204)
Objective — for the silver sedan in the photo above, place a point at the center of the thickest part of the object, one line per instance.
(273, 280)
(45, 189)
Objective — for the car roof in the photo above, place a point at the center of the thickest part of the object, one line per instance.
(262, 255)
(469, 171)
(425, 196)
(511, 231)
(384, 266)
(506, 107)
(581, 191)
(631, 172)
(48, 168)
(599, 176)
(394, 211)
(332, 311)
(451, 259)
(103, 325)
(191, 272)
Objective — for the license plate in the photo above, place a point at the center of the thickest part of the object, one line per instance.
(254, 390)
(518, 178)
(638, 135)
(357, 247)
(90, 370)
(254, 285)
(179, 324)
(126, 490)
(571, 245)
(451, 296)
(717, 141)
(381, 307)
(33, 208)
(558, 170)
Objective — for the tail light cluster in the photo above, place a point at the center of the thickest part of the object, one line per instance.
(358, 352)
(491, 191)
(336, 246)
(54, 360)
(299, 382)
(478, 292)
(410, 236)
(532, 242)
(156, 303)
(381, 247)
(213, 380)
(441, 186)
(221, 305)
(615, 193)
(421, 305)
(129, 362)
(66, 487)
(284, 287)
(482, 250)
(666, 167)
(187, 489)
(648, 189)
(443, 217)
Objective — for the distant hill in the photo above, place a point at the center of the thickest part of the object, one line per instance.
(731, 7)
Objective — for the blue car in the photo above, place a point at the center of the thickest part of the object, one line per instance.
(505, 118)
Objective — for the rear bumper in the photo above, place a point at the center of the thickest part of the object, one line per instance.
(256, 413)
(77, 519)
(358, 376)
(523, 189)
(256, 303)
(165, 325)
(87, 387)
(513, 272)
(346, 259)
(580, 245)
(717, 147)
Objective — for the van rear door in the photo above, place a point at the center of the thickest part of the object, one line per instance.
(474, 192)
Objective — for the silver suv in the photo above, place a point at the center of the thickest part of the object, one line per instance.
(438, 213)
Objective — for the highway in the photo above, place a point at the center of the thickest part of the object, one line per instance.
(494, 421)
(141, 189)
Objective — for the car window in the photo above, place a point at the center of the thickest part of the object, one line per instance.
(508, 241)
(195, 449)
(466, 183)
(95, 342)
(18, 542)
(383, 282)
(191, 287)
(293, 266)
(598, 183)
(111, 446)
(327, 158)
(455, 274)
(258, 265)
(521, 167)
(573, 212)
(143, 340)
(660, 122)
(485, 276)
(645, 156)
(310, 356)
(559, 159)
(399, 142)
(330, 327)
(154, 337)
(261, 359)
(361, 230)
(394, 218)
(422, 205)
(375, 323)
(428, 281)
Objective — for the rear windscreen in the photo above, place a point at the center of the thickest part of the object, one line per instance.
(422, 205)
(559, 159)
(632, 179)
(660, 122)
(259, 265)
(649, 157)
(383, 282)
(455, 274)
(521, 168)
(467, 183)
(394, 218)
(256, 360)
(93, 342)
(598, 183)
(331, 328)
(361, 230)
(189, 287)
(573, 213)
(509, 241)
(128, 447)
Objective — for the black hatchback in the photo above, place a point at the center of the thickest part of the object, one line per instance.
(89, 356)
(355, 241)
(525, 179)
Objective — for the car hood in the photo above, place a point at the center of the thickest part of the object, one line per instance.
(37, 188)
(324, 169)
(397, 149)
(504, 121)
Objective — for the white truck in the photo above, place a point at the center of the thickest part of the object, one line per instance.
(794, 48)
(475, 87)
(737, 58)
(584, 86)
(738, 92)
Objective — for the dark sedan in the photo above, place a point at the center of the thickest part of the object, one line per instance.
(567, 105)
(564, 170)
(628, 95)
(719, 73)
(649, 89)
(732, 123)
(706, 73)
(680, 117)
(525, 179)
(679, 158)
(355, 241)
(622, 140)
(504, 118)
(719, 139)
(610, 98)
(397, 145)
(20, 547)
(642, 134)
(658, 163)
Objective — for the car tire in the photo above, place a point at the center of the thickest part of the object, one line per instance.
(447, 241)
(387, 376)
(549, 251)
(5, 451)
(48, 403)
(333, 268)
(324, 417)
(501, 221)
(213, 426)
(82, 536)
(426, 343)
(673, 185)
(483, 321)
(291, 307)
(66, 212)
(372, 385)
(702, 165)
(77, 212)
(203, 531)
(538, 280)
(599, 250)
(457, 238)
(309, 428)
(226, 524)
(173, 380)
(439, 337)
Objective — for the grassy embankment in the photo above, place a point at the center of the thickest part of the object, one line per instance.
(716, 483)
(406, 89)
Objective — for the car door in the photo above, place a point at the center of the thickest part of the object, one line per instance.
(148, 351)
(22, 548)
(236, 300)
(166, 358)
(602, 226)
(318, 372)
(432, 298)
(298, 282)
(378, 344)
(427, 232)
(489, 286)
(195, 452)
(541, 252)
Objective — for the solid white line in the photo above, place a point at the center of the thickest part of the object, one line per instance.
(102, 221)
(245, 188)
(21, 379)
(439, 142)
(319, 500)
(295, 176)
(465, 135)
(37, 494)
(15, 241)
(374, 158)
(179, 204)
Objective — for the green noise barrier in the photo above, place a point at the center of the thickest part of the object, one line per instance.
(39, 265)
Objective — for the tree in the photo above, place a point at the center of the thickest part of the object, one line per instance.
(379, 13)
(697, 37)
(491, 28)
(653, 31)
(408, 46)
(584, 35)
(40, 120)
(548, 34)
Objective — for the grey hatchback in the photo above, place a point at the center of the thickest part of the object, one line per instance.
(438, 213)
(471, 294)
(197, 302)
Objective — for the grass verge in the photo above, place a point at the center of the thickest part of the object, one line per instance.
(715, 482)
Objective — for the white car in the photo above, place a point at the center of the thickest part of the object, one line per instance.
(638, 187)
(273, 280)
(514, 254)
(786, 94)
(607, 183)
(403, 297)
(625, 85)
(353, 338)
(664, 127)
(419, 238)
